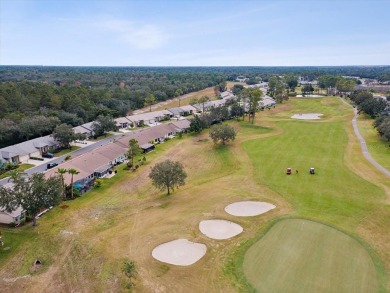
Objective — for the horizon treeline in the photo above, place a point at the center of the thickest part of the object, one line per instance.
(35, 99)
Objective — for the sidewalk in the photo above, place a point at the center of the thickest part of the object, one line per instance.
(363, 144)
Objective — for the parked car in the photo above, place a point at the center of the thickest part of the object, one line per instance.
(47, 155)
(51, 165)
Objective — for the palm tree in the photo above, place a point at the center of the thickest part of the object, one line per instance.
(72, 172)
(15, 175)
(62, 172)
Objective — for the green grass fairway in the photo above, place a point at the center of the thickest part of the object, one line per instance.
(298, 255)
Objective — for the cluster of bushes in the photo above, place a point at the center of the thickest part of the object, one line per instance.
(382, 125)
(37, 159)
(5, 167)
(376, 108)
(366, 102)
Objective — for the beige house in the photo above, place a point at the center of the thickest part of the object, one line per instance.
(15, 217)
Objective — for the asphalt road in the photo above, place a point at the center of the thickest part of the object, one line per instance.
(42, 168)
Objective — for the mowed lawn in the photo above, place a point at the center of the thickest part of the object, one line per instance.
(335, 195)
(304, 256)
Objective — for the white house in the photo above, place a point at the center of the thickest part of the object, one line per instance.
(15, 217)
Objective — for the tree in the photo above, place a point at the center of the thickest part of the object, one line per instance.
(133, 151)
(65, 134)
(307, 88)
(196, 125)
(103, 124)
(168, 175)
(178, 93)
(272, 83)
(236, 110)
(72, 172)
(344, 85)
(149, 101)
(252, 96)
(223, 133)
(373, 106)
(61, 172)
(280, 93)
(32, 194)
(237, 88)
(202, 100)
(382, 124)
(291, 81)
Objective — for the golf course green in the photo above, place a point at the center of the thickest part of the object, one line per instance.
(298, 255)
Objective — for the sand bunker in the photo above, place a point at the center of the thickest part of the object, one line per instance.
(180, 252)
(248, 208)
(219, 229)
(308, 116)
(309, 96)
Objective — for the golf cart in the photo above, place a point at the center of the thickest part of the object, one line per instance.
(312, 171)
(288, 171)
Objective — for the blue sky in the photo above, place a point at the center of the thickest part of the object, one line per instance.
(194, 33)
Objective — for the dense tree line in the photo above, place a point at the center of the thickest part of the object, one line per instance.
(376, 108)
(109, 76)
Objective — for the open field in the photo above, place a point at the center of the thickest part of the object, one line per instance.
(298, 255)
(230, 84)
(84, 245)
(184, 100)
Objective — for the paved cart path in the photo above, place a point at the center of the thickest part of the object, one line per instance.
(363, 144)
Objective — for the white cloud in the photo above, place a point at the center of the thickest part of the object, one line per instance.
(146, 36)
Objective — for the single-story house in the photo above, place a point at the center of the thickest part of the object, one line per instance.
(90, 166)
(267, 102)
(147, 147)
(188, 110)
(203, 106)
(227, 95)
(85, 129)
(218, 103)
(15, 217)
(122, 122)
(177, 112)
(181, 125)
(150, 118)
(21, 152)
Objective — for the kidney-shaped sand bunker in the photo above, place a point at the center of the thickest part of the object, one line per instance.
(180, 252)
(248, 208)
(307, 116)
(219, 229)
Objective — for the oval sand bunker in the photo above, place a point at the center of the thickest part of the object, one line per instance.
(308, 116)
(180, 252)
(248, 208)
(219, 229)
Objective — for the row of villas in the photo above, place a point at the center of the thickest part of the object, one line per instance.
(101, 161)
(22, 152)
